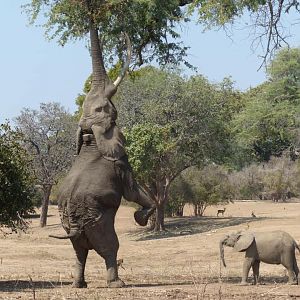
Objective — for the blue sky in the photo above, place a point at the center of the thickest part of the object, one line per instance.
(34, 70)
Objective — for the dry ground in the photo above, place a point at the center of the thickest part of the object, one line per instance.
(181, 264)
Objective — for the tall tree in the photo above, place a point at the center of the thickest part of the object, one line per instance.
(151, 25)
(171, 123)
(49, 138)
(16, 180)
(269, 122)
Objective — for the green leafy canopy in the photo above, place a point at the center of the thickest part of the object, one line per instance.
(16, 180)
(150, 25)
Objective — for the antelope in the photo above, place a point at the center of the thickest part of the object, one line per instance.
(221, 211)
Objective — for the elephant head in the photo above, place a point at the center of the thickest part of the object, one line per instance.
(238, 241)
(98, 117)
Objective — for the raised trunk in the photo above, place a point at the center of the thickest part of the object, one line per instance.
(44, 211)
(99, 77)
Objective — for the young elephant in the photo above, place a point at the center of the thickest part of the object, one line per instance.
(275, 247)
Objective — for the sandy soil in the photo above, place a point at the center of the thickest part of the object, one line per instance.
(180, 264)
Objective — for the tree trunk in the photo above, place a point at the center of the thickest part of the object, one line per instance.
(44, 211)
(195, 210)
(160, 217)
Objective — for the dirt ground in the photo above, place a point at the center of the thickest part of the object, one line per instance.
(180, 264)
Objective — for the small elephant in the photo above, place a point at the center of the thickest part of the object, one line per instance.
(275, 247)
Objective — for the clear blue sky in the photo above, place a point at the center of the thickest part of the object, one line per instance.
(34, 70)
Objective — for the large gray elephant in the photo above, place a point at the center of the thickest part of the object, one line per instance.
(91, 193)
(275, 247)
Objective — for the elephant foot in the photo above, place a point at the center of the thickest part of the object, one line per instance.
(244, 283)
(118, 283)
(294, 282)
(142, 216)
(79, 284)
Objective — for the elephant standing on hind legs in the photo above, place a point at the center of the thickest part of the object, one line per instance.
(275, 247)
(91, 193)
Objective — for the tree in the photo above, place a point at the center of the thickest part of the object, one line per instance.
(265, 21)
(49, 138)
(210, 186)
(170, 124)
(16, 180)
(269, 124)
(180, 194)
(151, 25)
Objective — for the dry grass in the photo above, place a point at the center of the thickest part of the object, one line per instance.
(180, 264)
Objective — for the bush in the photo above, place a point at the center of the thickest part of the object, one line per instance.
(16, 181)
(210, 186)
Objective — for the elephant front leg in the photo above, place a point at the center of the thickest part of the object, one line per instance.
(81, 255)
(246, 268)
(138, 196)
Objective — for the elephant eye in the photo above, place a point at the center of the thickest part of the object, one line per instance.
(98, 109)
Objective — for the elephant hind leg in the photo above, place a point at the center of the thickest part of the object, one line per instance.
(289, 264)
(103, 239)
(255, 268)
(81, 256)
(296, 269)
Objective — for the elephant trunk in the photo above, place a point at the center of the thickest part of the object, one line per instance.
(222, 252)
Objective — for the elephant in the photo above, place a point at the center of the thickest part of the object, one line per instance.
(88, 201)
(100, 176)
(274, 247)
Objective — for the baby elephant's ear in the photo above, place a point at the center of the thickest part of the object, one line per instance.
(244, 242)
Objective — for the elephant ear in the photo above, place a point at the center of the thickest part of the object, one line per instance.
(244, 242)
(110, 143)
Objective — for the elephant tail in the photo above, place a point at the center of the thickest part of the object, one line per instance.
(221, 245)
(72, 234)
(296, 245)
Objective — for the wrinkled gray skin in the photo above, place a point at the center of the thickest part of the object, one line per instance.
(275, 247)
(91, 193)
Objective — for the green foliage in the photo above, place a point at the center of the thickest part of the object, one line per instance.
(284, 74)
(193, 109)
(210, 186)
(269, 121)
(220, 12)
(180, 193)
(150, 24)
(149, 146)
(16, 181)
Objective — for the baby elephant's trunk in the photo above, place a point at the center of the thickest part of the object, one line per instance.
(222, 252)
